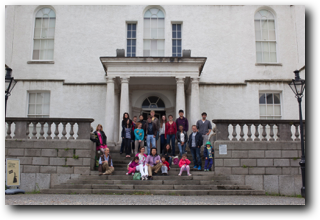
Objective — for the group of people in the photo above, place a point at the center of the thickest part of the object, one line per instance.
(139, 138)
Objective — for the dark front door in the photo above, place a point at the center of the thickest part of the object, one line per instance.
(158, 114)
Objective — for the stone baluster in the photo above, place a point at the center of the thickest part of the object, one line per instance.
(278, 133)
(56, 132)
(49, 130)
(9, 130)
(297, 132)
(249, 132)
(271, 133)
(256, 133)
(34, 131)
(27, 129)
(64, 132)
(41, 130)
(234, 133)
(241, 133)
(264, 133)
(71, 130)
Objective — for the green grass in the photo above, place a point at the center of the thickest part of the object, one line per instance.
(140, 193)
(75, 157)
(244, 166)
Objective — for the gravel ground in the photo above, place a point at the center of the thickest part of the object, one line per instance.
(91, 199)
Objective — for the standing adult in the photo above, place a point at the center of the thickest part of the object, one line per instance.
(142, 121)
(127, 137)
(134, 126)
(100, 139)
(204, 127)
(195, 142)
(150, 131)
(156, 121)
(139, 137)
(182, 121)
(123, 124)
(153, 162)
(170, 132)
(105, 163)
(162, 130)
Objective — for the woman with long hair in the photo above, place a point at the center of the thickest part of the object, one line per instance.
(100, 138)
(123, 124)
(162, 131)
(127, 137)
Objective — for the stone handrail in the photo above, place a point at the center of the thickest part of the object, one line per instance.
(22, 128)
(283, 128)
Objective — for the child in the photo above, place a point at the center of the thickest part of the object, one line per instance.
(184, 165)
(208, 155)
(143, 168)
(139, 137)
(165, 166)
(132, 166)
(182, 139)
(167, 154)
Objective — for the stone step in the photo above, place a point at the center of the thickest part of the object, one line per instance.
(117, 165)
(171, 173)
(151, 187)
(152, 182)
(153, 192)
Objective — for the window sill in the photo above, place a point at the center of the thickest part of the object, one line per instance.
(268, 64)
(40, 62)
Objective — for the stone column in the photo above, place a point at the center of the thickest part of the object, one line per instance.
(180, 96)
(116, 116)
(124, 100)
(194, 101)
(109, 117)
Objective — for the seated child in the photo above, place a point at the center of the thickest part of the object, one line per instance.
(132, 166)
(208, 155)
(184, 165)
(165, 166)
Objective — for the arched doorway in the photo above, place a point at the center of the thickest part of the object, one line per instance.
(153, 103)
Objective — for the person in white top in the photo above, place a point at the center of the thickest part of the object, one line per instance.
(162, 131)
(182, 139)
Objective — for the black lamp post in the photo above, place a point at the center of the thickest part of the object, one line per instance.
(297, 85)
(10, 83)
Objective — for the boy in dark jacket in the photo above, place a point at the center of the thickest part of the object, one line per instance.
(208, 155)
(195, 142)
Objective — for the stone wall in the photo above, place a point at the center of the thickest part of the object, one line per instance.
(272, 166)
(45, 163)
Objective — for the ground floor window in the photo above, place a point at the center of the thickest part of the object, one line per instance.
(270, 105)
(38, 104)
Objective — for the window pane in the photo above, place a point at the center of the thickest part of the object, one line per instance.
(178, 27)
(276, 98)
(46, 98)
(128, 34)
(133, 34)
(129, 49)
(128, 42)
(262, 99)
(258, 35)
(52, 22)
(36, 45)
(153, 99)
(179, 43)
(146, 44)
(38, 23)
(174, 35)
(147, 23)
(50, 44)
(269, 98)
(32, 98)
(35, 54)
(277, 110)
(273, 57)
(160, 23)
(146, 33)
(37, 32)
(49, 54)
(160, 104)
(174, 50)
(145, 104)
(45, 110)
(271, 24)
(160, 45)
(32, 109)
(259, 57)
(269, 109)
(154, 23)
(272, 35)
(265, 47)
(265, 35)
(154, 48)
(154, 34)
(174, 27)
(263, 110)
(52, 14)
(174, 43)
(147, 14)
(161, 33)
(146, 53)
(39, 98)
(38, 109)
(178, 34)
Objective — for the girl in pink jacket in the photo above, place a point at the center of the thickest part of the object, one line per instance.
(184, 165)
(132, 166)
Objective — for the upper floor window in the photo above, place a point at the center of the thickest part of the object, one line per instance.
(131, 40)
(266, 51)
(176, 40)
(153, 35)
(270, 105)
(43, 38)
(38, 104)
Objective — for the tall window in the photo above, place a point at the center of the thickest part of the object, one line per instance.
(176, 40)
(43, 39)
(266, 51)
(131, 40)
(270, 105)
(39, 104)
(153, 36)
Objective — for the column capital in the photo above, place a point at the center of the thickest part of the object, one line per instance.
(110, 79)
(125, 79)
(195, 79)
(180, 79)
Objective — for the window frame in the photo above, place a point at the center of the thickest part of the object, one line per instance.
(274, 117)
(42, 104)
(268, 41)
(172, 39)
(127, 24)
(33, 34)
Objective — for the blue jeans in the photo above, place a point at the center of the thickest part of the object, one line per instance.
(151, 139)
(172, 138)
(162, 143)
(195, 151)
(182, 148)
(170, 161)
(208, 163)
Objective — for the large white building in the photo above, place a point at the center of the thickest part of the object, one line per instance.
(242, 58)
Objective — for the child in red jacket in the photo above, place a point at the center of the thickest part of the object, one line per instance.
(165, 166)
(184, 165)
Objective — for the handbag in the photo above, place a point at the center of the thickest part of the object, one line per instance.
(176, 160)
(137, 176)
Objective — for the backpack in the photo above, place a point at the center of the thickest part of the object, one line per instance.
(176, 160)
(137, 176)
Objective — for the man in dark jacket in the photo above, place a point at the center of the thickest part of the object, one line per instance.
(150, 131)
(195, 142)
(182, 121)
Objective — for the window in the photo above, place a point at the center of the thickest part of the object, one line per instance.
(270, 105)
(131, 40)
(153, 102)
(266, 51)
(43, 39)
(39, 104)
(176, 40)
(153, 35)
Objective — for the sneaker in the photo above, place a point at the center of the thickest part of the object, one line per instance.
(179, 174)
(166, 174)
(145, 178)
(142, 178)
(189, 174)
(151, 178)
(127, 174)
(132, 174)
(199, 168)
(195, 167)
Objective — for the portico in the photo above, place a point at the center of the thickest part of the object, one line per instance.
(131, 80)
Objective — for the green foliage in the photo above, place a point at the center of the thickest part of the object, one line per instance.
(140, 193)
(66, 149)
(244, 166)
(75, 157)
(295, 158)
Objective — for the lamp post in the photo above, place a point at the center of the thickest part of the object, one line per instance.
(297, 85)
(10, 83)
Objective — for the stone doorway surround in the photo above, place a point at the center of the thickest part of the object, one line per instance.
(123, 72)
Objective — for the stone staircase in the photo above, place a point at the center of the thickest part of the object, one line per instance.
(200, 183)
